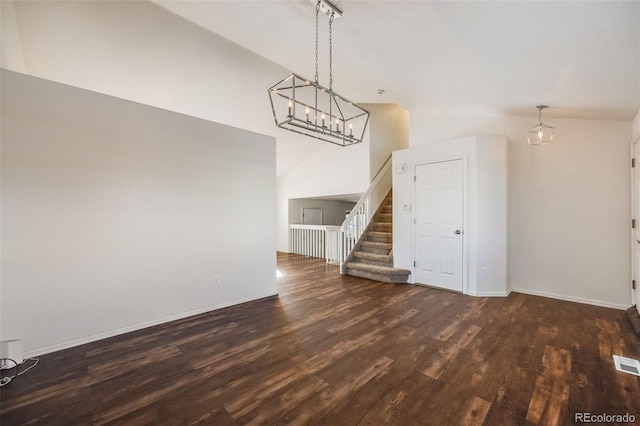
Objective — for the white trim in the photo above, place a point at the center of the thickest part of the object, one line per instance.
(119, 331)
(634, 245)
(465, 214)
(313, 227)
(491, 294)
(571, 299)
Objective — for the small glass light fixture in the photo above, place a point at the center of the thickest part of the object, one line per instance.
(541, 133)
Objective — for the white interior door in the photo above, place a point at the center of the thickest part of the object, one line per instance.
(636, 231)
(311, 216)
(438, 224)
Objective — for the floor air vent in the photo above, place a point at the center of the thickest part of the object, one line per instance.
(627, 365)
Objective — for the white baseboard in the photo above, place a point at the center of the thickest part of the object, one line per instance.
(490, 293)
(112, 333)
(572, 299)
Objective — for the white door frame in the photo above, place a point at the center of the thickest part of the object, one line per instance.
(635, 214)
(465, 214)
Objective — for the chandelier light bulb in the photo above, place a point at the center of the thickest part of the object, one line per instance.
(294, 98)
(541, 133)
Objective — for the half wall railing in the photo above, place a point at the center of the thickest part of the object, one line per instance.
(315, 240)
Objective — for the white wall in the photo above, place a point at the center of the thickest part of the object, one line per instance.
(569, 203)
(335, 170)
(332, 170)
(485, 221)
(139, 51)
(11, 51)
(117, 215)
(389, 132)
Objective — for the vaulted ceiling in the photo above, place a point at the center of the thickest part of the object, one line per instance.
(477, 57)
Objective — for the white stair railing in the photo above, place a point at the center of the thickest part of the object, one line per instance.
(315, 240)
(356, 222)
(335, 243)
(332, 253)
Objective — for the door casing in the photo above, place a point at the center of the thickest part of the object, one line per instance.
(465, 214)
(635, 214)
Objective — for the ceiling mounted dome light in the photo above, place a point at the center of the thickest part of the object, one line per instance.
(540, 134)
(304, 106)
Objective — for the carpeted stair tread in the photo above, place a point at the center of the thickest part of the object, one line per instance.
(385, 217)
(385, 274)
(395, 279)
(380, 234)
(383, 226)
(389, 270)
(383, 237)
(373, 258)
(376, 247)
(377, 244)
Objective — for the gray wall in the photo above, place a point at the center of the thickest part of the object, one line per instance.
(333, 212)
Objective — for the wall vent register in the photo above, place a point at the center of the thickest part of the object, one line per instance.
(627, 365)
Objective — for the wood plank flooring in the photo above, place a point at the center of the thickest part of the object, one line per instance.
(341, 350)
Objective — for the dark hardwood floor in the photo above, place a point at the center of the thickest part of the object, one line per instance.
(340, 350)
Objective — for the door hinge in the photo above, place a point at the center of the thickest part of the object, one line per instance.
(414, 221)
(414, 263)
(414, 178)
(633, 284)
(633, 162)
(633, 224)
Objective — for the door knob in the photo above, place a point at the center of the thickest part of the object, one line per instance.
(457, 232)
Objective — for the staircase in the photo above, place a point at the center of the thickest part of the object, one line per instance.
(372, 256)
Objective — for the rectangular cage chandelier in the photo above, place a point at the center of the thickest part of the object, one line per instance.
(306, 107)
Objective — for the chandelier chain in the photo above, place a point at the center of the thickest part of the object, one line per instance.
(331, 52)
(307, 108)
(317, 12)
